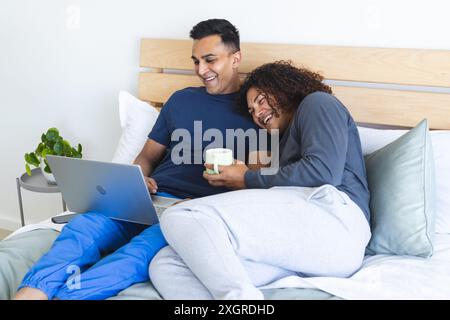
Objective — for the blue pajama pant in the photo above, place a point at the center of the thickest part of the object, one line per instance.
(74, 267)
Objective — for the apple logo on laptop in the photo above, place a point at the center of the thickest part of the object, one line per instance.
(101, 190)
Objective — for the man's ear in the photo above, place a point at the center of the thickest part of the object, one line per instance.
(237, 59)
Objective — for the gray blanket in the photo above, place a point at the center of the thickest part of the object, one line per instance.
(20, 252)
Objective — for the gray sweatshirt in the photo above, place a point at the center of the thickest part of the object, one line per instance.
(320, 146)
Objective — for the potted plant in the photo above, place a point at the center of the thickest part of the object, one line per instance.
(51, 143)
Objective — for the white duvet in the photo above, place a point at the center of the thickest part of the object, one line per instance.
(380, 276)
(388, 277)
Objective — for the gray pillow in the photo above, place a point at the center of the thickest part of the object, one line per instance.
(402, 190)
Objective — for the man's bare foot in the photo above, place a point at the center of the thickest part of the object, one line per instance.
(29, 293)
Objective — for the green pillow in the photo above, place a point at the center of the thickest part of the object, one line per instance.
(402, 195)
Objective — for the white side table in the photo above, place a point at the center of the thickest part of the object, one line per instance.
(36, 183)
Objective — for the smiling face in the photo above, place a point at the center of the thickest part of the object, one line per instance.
(264, 115)
(216, 65)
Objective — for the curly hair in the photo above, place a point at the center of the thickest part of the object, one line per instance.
(283, 85)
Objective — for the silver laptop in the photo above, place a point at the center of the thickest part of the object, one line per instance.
(116, 190)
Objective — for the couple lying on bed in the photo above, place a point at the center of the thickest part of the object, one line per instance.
(309, 218)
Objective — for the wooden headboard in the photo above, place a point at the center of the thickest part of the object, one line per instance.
(171, 70)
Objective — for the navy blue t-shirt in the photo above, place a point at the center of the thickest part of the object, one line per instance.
(184, 110)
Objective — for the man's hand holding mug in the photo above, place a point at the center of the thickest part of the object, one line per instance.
(222, 170)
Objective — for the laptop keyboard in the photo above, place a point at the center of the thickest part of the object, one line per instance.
(159, 210)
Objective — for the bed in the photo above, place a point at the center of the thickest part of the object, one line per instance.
(383, 88)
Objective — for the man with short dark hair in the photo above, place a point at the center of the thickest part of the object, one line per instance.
(84, 240)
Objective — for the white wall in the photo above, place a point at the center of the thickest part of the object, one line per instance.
(58, 70)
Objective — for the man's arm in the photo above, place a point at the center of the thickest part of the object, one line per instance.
(148, 159)
(150, 156)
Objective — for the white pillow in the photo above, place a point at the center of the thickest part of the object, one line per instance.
(136, 119)
(374, 139)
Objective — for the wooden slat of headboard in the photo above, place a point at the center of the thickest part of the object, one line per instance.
(384, 65)
(158, 87)
(395, 107)
(166, 53)
(379, 106)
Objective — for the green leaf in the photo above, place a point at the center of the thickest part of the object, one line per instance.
(52, 134)
(32, 159)
(67, 149)
(27, 158)
(39, 149)
(58, 148)
(75, 153)
(80, 148)
(43, 138)
(50, 144)
(46, 152)
(47, 167)
(27, 168)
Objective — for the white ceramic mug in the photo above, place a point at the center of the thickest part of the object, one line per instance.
(218, 157)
